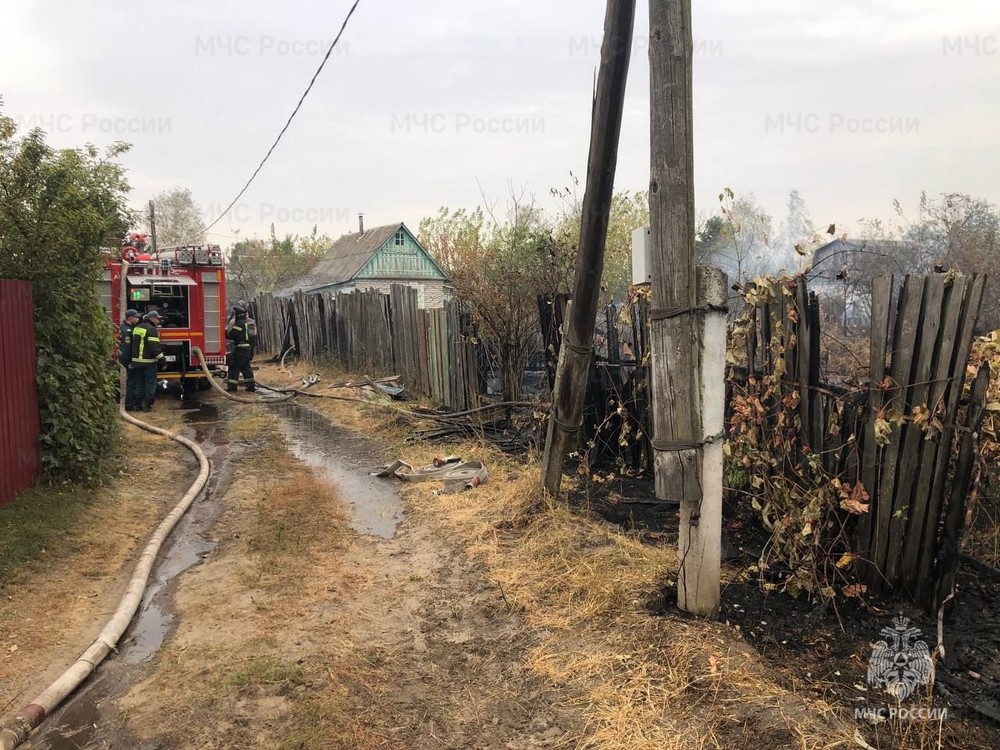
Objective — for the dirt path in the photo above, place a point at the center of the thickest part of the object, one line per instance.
(311, 620)
(307, 606)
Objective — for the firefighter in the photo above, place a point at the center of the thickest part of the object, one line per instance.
(125, 336)
(242, 342)
(147, 359)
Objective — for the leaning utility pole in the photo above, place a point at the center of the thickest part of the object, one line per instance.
(687, 319)
(152, 225)
(565, 418)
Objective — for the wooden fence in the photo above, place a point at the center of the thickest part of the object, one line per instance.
(901, 435)
(917, 499)
(904, 432)
(20, 461)
(616, 410)
(377, 334)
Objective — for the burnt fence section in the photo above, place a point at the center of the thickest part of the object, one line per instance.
(617, 420)
(904, 434)
(375, 333)
(20, 458)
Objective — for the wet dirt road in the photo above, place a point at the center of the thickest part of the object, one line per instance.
(90, 720)
(298, 606)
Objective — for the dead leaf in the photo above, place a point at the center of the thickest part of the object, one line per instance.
(883, 431)
(854, 590)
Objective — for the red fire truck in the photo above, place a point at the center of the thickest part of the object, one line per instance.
(187, 286)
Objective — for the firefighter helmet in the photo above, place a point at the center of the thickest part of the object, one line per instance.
(130, 313)
(152, 315)
(239, 310)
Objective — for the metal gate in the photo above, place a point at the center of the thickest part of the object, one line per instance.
(19, 427)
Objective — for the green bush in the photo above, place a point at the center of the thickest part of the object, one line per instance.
(56, 210)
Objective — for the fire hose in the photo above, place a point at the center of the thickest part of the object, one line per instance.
(455, 474)
(18, 729)
(242, 399)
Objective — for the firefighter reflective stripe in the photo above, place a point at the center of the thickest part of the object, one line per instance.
(145, 345)
(239, 335)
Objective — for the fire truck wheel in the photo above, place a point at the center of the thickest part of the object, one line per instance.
(204, 385)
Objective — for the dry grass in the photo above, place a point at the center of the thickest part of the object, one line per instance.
(639, 681)
(57, 595)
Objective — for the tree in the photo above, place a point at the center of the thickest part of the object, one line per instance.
(178, 219)
(629, 211)
(498, 267)
(797, 232)
(56, 210)
(962, 232)
(744, 249)
(709, 238)
(259, 266)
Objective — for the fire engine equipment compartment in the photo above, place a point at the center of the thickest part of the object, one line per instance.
(168, 295)
(186, 285)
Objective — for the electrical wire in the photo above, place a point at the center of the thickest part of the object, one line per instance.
(291, 116)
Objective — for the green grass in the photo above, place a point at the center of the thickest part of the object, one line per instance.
(35, 524)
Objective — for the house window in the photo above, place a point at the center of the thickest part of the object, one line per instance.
(400, 238)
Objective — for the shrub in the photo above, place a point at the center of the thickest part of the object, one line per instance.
(56, 209)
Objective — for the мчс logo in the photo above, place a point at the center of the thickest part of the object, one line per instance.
(899, 664)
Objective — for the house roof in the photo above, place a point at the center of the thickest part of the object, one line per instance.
(889, 247)
(346, 257)
(343, 260)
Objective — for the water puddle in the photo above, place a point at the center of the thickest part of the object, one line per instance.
(190, 544)
(345, 458)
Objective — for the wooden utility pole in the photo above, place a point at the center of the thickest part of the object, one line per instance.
(152, 225)
(576, 353)
(687, 319)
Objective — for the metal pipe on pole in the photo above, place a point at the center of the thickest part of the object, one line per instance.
(152, 225)
(565, 417)
(687, 319)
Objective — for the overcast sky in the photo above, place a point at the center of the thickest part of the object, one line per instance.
(435, 102)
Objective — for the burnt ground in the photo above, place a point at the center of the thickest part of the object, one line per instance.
(824, 650)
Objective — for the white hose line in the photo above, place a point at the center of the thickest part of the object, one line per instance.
(18, 729)
(242, 399)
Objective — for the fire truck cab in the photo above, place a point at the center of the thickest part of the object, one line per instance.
(187, 286)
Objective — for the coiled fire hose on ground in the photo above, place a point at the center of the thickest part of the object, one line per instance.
(17, 730)
(455, 474)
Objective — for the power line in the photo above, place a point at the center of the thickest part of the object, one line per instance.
(291, 116)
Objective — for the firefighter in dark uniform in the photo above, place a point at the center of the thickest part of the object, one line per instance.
(147, 358)
(125, 353)
(239, 360)
(125, 336)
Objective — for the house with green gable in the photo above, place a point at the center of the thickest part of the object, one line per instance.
(374, 259)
